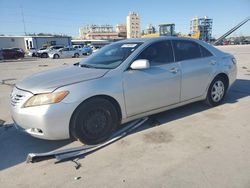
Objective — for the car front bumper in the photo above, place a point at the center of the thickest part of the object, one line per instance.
(46, 121)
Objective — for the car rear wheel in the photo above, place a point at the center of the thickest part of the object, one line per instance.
(76, 55)
(216, 91)
(56, 56)
(94, 121)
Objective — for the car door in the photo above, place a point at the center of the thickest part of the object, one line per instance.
(72, 52)
(196, 68)
(65, 52)
(155, 87)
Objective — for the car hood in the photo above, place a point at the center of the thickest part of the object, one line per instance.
(48, 81)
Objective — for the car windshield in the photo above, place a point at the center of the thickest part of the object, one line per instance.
(110, 56)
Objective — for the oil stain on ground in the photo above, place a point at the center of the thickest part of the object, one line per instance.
(158, 137)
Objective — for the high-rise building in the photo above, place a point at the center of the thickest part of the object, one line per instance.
(133, 25)
(201, 27)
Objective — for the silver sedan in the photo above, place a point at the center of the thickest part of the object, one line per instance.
(121, 82)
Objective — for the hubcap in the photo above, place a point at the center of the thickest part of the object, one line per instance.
(217, 91)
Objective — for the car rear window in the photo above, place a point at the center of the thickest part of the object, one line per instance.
(205, 52)
(185, 50)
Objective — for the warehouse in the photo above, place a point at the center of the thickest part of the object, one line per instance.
(27, 42)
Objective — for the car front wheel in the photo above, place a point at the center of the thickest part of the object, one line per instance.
(94, 121)
(76, 55)
(216, 91)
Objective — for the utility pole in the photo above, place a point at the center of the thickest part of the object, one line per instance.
(24, 27)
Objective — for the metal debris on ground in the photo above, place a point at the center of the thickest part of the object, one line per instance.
(72, 153)
(78, 165)
(43, 65)
(77, 178)
(5, 81)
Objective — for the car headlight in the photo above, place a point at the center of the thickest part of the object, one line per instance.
(45, 98)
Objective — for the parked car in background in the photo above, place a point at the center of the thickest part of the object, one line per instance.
(10, 53)
(95, 49)
(1, 54)
(123, 81)
(86, 50)
(64, 52)
(78, 47)
(18, 49)
(44, 53)
(33, 52)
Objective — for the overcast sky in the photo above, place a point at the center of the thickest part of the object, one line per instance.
(65, 17)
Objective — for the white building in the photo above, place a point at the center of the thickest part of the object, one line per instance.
(121, 29)
(97, 32)
(133, 25)
(202, 26)
(27, 42)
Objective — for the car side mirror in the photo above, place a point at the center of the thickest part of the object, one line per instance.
(140, 64)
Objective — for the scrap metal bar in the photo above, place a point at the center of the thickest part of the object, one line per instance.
(231, 30)
(120, 134)
(85, 149)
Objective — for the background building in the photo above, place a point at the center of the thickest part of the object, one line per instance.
(121, 29)
(133, 25)
(201, 27)
(27, 42)
(97, 32)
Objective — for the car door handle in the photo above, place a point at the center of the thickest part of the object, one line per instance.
(174, 70)
(213, 62)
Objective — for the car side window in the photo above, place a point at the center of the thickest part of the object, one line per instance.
(158, 53)
(205, 52)
(185, 50)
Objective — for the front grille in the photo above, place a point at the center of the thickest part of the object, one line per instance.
(18, 97)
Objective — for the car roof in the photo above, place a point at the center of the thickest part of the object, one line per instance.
(214, 50)
(153, 39)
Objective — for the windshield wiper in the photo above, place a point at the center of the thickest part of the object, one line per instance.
(87, 66)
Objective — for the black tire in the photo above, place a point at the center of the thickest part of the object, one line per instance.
(44, 55)
(56, 56)
(76, 55)
(214, 97)
(94, 121)
(16, 57)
